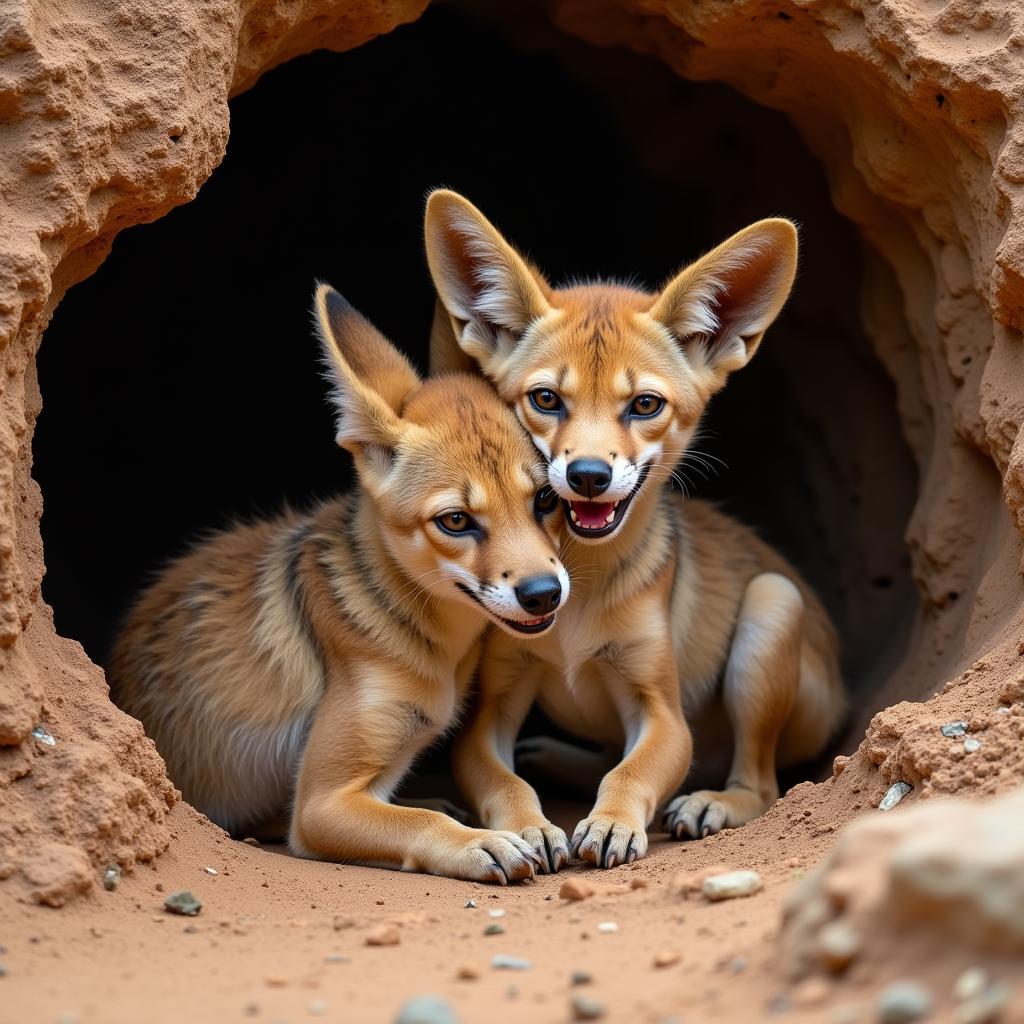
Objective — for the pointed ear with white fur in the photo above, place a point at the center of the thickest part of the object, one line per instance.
(720, 307)
(370, 379)
(490, 292)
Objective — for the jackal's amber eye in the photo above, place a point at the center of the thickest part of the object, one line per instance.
(545, 502)
(646, 405)
(456, 523)
(546, 400)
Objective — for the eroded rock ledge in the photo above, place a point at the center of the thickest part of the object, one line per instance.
(112, 114)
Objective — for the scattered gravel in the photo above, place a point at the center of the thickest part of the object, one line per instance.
(111, 878)
(894, 794)
(427, 1009)
(585, 1008)
(731, 884)
(183, 902)
(952, 729)
(903, 1002)
(504, 962)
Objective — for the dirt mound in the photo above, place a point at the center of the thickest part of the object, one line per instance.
(113, 114)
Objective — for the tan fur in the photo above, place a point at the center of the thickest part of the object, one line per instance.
(680, 609)
(290, 671)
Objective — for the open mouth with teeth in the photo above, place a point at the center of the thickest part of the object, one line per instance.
(520, 626)
(599, 518)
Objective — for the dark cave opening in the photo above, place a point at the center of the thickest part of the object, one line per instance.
(180, 382)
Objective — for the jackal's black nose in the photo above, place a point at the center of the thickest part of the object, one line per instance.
(589, 477)
(539, 595)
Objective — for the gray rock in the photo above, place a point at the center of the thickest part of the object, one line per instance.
(503, 962)
(183, 902)
(903, 1002)
(111, 878)
(470, 905)
(427, 1009)
(41, 735)
(952, 729)
(494, 929)
(585, 1008)
(581, 978)
(894, 794)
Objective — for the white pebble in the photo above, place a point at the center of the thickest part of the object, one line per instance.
(317, 1007)
(496, 913)
(731, 885)
(503, 962)
(894, 794)
(971, 983)
(210, 871)
(971, 745)
(903, 1002)
(607, 926)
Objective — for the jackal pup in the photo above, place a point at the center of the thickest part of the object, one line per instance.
(677, 610)
(289, 671)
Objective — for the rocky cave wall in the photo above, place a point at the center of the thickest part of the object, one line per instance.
(109, 117)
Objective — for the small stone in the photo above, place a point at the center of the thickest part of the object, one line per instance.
(903, 1002)
(953, 729)
(40, 735)
(971, 745)
(190, 929)
(343, 922)
(337, 958)
(467, 973)
(470, 905)
(495, 913)
(738, 964)
(731, 885)
(580, 978)
(689, 883)
(838, 946)
(894, 794)
(275, 981)
(666, 958)
(111, 878)
(183, 902)
(503, 962)
(318, 1007)
(638, 883)
(810, 993)
(3, 970)
(585, 1008)
(494, 929)
(380, 903)
(250, 841)
(427, 1009)
(987, 1007)
(607, 926)
(210, 871)
(970, 983)
(549, 897)
(575, 889)
(383, 935)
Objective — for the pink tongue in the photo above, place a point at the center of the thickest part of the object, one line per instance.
(592, 514)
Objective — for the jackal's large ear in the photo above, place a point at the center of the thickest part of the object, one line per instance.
(719, 307)
(371, 379)
(490, 292)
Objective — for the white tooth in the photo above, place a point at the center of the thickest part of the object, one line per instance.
(611, 516)
(572, 512)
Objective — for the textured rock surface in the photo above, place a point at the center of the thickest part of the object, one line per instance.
(112, 114)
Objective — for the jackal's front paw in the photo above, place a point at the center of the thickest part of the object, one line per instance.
(499, 857)
(700, 814)
(550, 844)
(606, 840)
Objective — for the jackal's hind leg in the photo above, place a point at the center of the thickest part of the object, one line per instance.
(762, 677)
